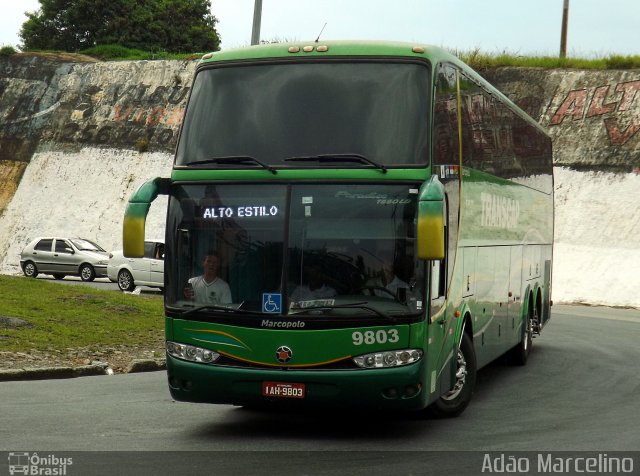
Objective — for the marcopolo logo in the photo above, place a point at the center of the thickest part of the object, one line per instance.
(35, 464)
(284, 354)
(282, 324)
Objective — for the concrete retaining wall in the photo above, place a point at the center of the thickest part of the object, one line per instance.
(79, 137)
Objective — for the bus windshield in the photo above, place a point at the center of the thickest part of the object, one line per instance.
(309, 250)
(288, 114)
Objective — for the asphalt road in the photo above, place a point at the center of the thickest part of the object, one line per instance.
(578, 392)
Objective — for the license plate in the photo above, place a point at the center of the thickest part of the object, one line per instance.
(283, 390)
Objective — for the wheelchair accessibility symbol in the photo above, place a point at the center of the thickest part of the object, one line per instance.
(271, 302)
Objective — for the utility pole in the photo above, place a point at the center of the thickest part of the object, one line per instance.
(257, 18)
(563, 34)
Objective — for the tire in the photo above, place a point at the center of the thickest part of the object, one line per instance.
(520, 353)
(125, 281)
(87, 273)
(453, 403)
(59, 276)
(30, 270)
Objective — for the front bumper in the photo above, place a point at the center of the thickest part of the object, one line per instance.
(101, 271)
(399, 388)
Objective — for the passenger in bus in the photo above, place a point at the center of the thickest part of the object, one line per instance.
(314, 287)
(209, 288)
(388, 280)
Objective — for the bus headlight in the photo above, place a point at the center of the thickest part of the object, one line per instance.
(191, 353)
(390, 358)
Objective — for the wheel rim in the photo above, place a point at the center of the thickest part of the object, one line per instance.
(29, 269)
(528, 333)
(85, 273)
(461, 378)
(124, 280)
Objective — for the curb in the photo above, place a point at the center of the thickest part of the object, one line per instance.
(45, 373)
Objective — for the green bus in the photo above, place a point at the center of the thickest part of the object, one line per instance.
(355, 224)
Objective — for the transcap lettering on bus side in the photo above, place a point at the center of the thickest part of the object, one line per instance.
(499, 211)
(240, 211)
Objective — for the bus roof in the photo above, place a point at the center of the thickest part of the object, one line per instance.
(329, 48)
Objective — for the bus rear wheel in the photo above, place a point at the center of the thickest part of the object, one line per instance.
(453, 403)
(520, 353)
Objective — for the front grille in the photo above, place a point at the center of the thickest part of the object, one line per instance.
(344, 364)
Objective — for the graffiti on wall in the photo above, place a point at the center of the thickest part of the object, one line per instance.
(121, 115)
(81, 105)
(611, 103)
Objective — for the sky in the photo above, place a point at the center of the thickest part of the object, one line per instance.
(521, 27)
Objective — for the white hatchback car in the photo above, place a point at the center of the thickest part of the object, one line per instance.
(132, 272)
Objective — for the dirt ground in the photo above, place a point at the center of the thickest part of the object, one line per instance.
(118, 359)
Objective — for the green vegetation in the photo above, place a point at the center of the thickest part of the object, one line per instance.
(117, 52)
(63, 316)
(148, 25)
(482, 61)
(7, 51)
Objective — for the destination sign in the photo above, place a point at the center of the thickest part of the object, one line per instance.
(240, 211)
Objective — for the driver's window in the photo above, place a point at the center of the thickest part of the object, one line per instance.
(62, 247)
(159, 252)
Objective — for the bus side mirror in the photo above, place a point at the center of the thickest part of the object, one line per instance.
(431, 220)
(135, 216)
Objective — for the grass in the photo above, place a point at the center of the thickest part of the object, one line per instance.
(476, 58)
(63, 317)
(117, 52)
(482, 61)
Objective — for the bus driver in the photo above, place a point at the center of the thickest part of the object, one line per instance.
(209, 288)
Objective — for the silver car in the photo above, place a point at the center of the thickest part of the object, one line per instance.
(64, 257)
(132, 272)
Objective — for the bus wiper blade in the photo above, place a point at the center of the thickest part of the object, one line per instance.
(214, 307)
(352, 305)
(235, 159)
(350, 157)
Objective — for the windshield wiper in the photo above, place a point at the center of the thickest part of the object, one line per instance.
(234, 310)
(350, 157)
(235, 160)
(352, 305)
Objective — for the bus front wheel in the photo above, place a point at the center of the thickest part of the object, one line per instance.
(453, 403)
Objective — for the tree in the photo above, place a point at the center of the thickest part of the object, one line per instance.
(151, 25)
